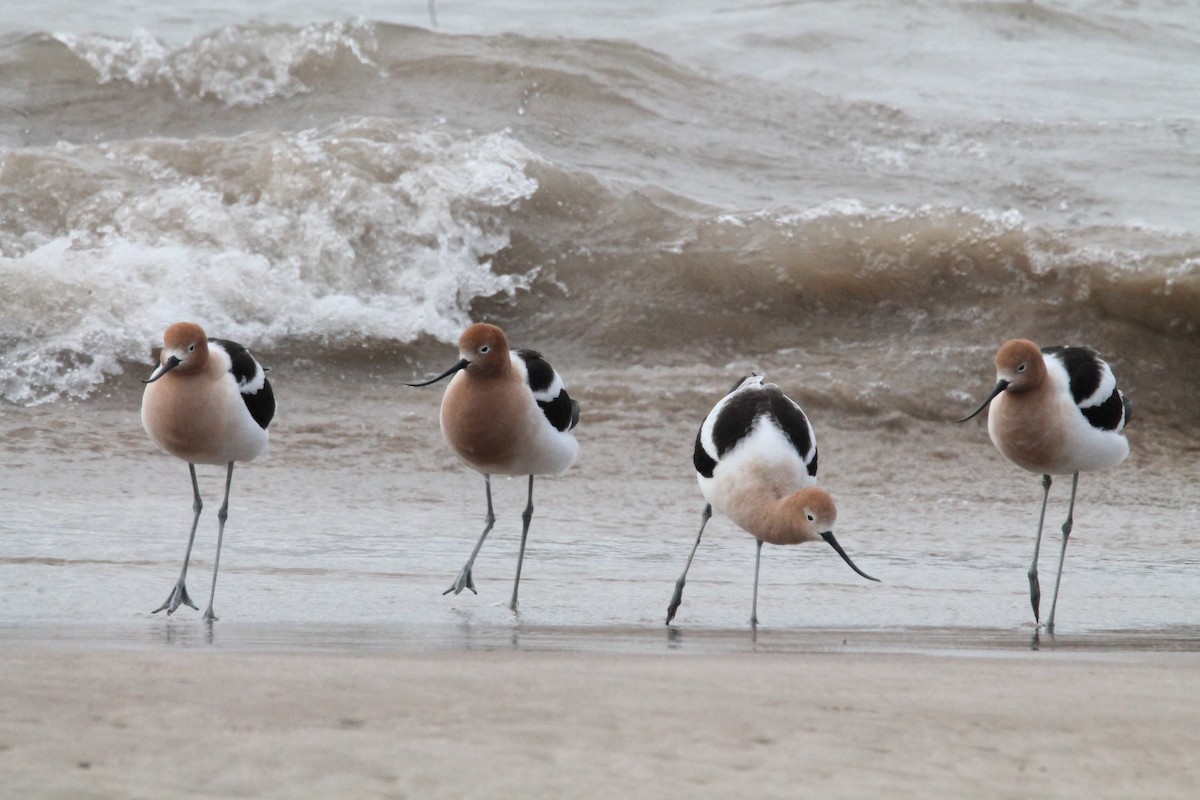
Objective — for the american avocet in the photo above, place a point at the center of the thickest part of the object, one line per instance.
(505, 413)
(1055, 411)
(756, 460)
(207, 402)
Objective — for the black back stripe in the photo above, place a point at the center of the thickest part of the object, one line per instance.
(1084, 370)
(740, 412)
(736, 420)
(704, 463)
(541, 374)
(562, 411)
(261, 404)
(1109, 415)
(794, 423)
(243, 367)
(241, 363)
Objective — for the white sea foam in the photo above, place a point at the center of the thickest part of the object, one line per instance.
(360, 231)
(240, 66)
(798, 166)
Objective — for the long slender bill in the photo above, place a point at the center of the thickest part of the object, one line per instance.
(163, 369)
(463, 364)
(828, 536)
(1000, 387)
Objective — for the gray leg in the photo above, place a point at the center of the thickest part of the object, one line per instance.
(179, 595)
(757, 560)
(526, 516)
(1066, 533)
(222, 515)
(463, 581)
(677, 598)
(1035, 591)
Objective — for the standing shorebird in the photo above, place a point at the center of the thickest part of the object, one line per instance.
(207, 402)
(1055, 411)
(505, 413)
(756, 460)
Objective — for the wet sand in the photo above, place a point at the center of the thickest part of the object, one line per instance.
(339, 669)
(868, 719)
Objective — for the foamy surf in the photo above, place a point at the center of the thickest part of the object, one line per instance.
(684, 188)
(236, 65)
(358, 231)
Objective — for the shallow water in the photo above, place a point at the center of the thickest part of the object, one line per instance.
(860, 200)
(367, 534)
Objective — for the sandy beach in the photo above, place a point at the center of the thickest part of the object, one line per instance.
(859, 201)
(867, 721)
(210, 722)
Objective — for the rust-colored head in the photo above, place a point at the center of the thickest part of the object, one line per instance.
(185, 351)
(482, 351)
(485, 349)
(812, 514)
(1019, 368)
(1020, 364)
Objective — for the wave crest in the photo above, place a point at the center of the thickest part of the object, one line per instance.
(360, 230)
(240, 66)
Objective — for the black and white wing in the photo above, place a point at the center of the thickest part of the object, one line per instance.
(251, 380)
(1093, 387)
(549, 391)
(734, 417)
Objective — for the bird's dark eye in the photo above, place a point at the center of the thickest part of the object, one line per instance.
(1021, 368)
(191, 348)
(811, 518)
(484, 349)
